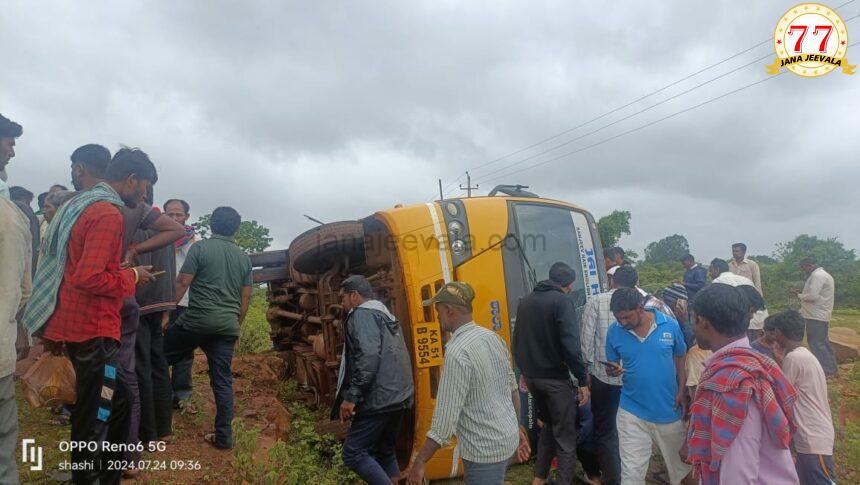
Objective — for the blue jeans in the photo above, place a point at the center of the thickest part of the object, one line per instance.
(180, 375)
(369, 447)
(815, 469)
(484, 473)
(180, 343)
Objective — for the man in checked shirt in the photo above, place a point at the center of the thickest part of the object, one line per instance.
(78, 291)
(478, 399)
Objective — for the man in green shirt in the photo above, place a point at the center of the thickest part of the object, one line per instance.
(218, 274)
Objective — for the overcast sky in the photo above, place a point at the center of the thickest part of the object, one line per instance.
(340, 109)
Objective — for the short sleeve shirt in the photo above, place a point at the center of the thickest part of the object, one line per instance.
(649, 382)
(814, 435)
(220, 270)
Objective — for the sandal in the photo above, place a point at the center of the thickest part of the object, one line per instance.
(187, 407)
(210, 438)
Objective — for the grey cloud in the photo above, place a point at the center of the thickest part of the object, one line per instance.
(342, 109)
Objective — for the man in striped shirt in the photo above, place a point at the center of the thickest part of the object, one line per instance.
(478, 400)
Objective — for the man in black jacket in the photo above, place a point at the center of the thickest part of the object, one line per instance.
(374, 384)
(547, 351)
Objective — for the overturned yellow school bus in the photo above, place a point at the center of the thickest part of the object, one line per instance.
(501, 244)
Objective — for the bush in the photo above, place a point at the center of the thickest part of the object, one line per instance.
(653, 277)
(254, 333)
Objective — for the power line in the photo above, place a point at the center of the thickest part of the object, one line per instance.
(615, 110)
(628, 117)
(636, 129)
(568, 142)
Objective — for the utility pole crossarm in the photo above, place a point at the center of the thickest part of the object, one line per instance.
(468, 188)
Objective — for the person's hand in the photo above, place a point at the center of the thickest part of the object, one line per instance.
(681, 312)
(684, 452)
(52, 346)
(583, 396)
(681, 402)
(523, 386)
(614, 369)
(143, 274)
(128, 259)
(347, 411)
(414, 474)
(524, 449)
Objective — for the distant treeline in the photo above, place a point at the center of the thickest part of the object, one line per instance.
(779, 272)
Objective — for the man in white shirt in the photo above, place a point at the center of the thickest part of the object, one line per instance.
(720, 272)
(813, 438)
(180, 375)
(816, 306)
(15, 286)
(478, 399)
(742, 266)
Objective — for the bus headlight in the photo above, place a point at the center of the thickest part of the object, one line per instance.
(458, 247)
(455, 229)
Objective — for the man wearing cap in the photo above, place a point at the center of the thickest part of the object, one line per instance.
(478, 400)
(547, 350)
(374, 383)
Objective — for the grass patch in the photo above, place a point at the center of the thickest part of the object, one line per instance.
(846, 317)
(254, 332)
(306, 457)
(41, 425)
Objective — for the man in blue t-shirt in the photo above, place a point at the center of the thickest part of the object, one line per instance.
(650, 348)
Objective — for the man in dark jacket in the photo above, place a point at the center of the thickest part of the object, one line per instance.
(374, 384)
(695, 276)
(547, 351)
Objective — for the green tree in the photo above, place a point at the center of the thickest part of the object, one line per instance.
(784, 273)
(669, 249)
(612, 227)
(251, 237)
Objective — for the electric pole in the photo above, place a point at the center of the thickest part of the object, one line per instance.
(468, 188)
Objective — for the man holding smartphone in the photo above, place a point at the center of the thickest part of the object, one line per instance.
(651, 347)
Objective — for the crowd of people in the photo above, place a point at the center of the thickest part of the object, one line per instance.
(726, 391)
(633, 372)
(123, 289)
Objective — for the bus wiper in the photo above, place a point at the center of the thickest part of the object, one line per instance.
(532, 276)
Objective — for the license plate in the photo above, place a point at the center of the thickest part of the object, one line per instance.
(428, 344)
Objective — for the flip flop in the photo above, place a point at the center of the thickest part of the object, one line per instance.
(210, 438)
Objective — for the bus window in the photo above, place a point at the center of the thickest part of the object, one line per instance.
(547, 235)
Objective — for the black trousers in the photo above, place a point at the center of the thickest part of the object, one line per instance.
(153, 379)
(819, 344)
(101, 412)
(555, 400)
(604, 406)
